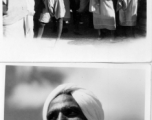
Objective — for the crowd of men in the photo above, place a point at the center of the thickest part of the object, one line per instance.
(28, 18)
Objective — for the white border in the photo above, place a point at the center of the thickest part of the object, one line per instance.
(137, 51)
(2, 89)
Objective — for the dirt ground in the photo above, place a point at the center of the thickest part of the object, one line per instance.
(88, 32)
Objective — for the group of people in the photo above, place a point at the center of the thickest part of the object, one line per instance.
(107, 14)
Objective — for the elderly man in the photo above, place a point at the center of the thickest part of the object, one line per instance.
(70, 102)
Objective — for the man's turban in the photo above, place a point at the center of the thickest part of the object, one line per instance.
(89, 104)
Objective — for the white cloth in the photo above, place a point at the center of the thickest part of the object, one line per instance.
(29, 19)
(103, 14)
(18, 20)
(45, 16)
(128, 16)
(20, 29)
(29, 26)
(55, 8)
(14, 31)
(30, 6)
(88, 102)
(16, 10)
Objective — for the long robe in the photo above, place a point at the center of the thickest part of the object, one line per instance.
(16, 21)
(128, 13)
(103, 14)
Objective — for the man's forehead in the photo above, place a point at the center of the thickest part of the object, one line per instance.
(62, 101)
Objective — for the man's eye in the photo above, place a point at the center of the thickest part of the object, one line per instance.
(51, 117)
(71, 113)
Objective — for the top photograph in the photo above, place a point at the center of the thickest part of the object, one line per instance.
(76, 31)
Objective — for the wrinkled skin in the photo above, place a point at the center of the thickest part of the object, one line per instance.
(64, 107)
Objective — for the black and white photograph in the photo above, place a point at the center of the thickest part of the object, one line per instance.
(76, 60)
(76, 31)
(88, 92)
(75, 19)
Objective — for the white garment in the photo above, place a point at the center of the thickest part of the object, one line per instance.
(29, 26)
(20, 29)
(57, 8)
(30, 6)
(14, 31)
(88, 102)
(103, 14)
(45, 16)
(128, 16)
(18, 24)
(29, 18)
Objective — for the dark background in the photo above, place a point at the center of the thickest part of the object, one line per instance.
(86, 29)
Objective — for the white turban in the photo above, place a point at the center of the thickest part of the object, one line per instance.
(89, 104)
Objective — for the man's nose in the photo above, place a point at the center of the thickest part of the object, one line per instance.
(61, 116)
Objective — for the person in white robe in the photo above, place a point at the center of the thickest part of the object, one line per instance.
(89, 104)
(128, 13)
(59, 9)
(103, 15)
(18, 19)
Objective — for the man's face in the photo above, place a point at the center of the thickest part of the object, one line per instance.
(64, 107)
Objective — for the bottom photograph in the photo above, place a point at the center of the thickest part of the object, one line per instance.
(78, 92)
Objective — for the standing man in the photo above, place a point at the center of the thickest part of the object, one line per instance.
(103, 15)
